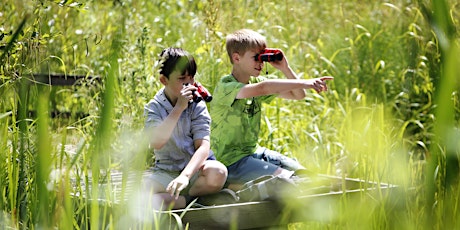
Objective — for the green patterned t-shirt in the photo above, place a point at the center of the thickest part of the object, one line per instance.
(235, 123)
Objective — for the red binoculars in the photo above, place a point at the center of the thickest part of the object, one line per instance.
(269, 55)
(201, 93)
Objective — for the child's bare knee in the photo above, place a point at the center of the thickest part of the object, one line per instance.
(216, 179)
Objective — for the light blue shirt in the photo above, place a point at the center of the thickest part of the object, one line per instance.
(193, 124)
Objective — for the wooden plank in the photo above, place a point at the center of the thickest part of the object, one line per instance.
(245, 215)
(263, 214)
(62, 79)
(322, 192)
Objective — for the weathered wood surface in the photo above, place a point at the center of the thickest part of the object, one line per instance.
(62, 79)
(320, 204)
(320, 201)
(55, 81)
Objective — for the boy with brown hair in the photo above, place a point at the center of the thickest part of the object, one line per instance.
(236, 110)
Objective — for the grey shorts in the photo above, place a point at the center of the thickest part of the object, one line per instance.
(164, 177)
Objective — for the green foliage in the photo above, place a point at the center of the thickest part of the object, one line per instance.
(391, 115)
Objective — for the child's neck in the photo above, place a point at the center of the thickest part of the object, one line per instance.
(240, 76)
(171, 100)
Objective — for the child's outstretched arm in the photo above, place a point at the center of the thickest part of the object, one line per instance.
(283, 87)
(295, 94)
(283, 66)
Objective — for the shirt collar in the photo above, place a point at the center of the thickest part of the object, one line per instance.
(161, 98)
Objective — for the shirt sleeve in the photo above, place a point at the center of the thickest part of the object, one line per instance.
(228, 92)
(201, 122)
(152, 114)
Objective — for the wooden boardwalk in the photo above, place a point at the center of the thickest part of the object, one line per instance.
(319, 201)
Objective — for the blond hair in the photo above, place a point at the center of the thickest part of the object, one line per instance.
(243, 40)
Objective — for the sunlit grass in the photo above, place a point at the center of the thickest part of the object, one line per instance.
(390, 117)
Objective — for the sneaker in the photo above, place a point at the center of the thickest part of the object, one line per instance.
(224, 196)
(268, 188)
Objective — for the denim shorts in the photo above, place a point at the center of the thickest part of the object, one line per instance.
(263, 162)
(249, 168)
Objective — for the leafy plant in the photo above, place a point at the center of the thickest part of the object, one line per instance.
(390, 116)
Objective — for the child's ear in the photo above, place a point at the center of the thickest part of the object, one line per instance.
(163, 80)
(235, 57)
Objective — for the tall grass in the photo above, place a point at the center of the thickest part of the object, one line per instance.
(391, 115)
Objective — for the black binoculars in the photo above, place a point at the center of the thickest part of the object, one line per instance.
(201, 93)
(269, 55)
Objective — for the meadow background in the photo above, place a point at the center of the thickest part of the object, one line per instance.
(391, 114)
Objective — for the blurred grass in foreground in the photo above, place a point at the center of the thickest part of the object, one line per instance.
(391, 115)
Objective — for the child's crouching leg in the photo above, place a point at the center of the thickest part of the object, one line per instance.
(210, 180)
(155, 197)
(164, 201)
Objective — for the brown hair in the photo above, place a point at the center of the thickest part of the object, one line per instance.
(243, 40)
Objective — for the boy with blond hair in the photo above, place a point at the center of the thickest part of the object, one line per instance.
(236, 110)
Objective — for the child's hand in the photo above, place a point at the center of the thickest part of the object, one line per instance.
(177, 185)
(186, 96)
(282, 64)
(319, 84)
